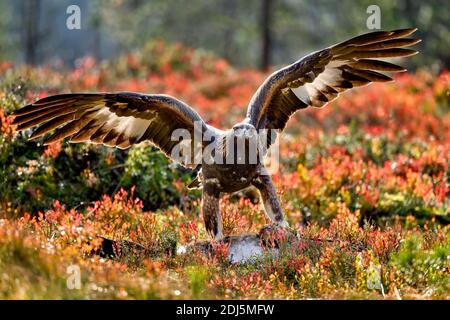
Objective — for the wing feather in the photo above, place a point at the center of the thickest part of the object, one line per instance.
(320, 77)
(113, 119)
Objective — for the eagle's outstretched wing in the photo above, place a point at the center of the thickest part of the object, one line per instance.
(113, 119)
(318, 78)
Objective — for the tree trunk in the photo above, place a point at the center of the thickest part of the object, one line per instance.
(266, 34)
(230, 10)
(31, 16)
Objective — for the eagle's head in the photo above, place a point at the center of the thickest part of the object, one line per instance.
(244, 130)
(244, 142)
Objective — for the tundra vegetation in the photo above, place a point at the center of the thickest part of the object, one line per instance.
(370, 173)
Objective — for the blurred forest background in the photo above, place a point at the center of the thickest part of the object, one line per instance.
(254, 33)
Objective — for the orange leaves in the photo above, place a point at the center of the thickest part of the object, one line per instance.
(5, 124)
(52, 150)
(122, 217)
(241, 216)
(5, 65)
(383, 242)
(234, 222)
(345, 225)
(188, 231)
(252, 284)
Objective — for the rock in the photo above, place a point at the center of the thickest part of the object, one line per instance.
(241, 248)
(246, 248)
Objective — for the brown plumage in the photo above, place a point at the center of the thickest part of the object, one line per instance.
(123, 119)
(113, 119)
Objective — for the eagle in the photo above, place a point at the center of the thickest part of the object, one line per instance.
(122, 119)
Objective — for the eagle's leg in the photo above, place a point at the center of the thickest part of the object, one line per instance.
(211, 211)
(270, 199)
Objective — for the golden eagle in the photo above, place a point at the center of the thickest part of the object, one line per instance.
(123, 119)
